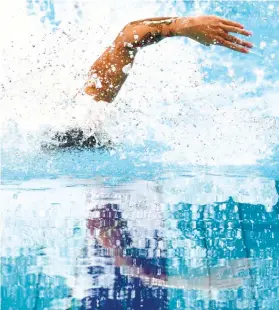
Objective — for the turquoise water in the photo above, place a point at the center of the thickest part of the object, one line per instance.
(183, 211)
(208, 253)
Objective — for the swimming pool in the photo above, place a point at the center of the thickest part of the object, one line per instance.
(182, 211)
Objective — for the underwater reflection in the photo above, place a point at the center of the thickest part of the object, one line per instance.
(202, 256)
(219, 255)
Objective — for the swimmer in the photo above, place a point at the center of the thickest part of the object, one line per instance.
(107, 75)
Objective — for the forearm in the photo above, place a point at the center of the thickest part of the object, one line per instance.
(109, 72)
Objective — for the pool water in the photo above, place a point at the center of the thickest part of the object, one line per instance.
(182, 210)
(81, 244)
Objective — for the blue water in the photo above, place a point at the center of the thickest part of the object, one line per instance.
(123, 229)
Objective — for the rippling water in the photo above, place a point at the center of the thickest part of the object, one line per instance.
(181, 212)
(205, 242)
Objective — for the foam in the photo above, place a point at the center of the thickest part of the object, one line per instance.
(165, 99)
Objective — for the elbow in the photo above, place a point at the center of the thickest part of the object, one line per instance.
(98, 95)
(91, 91)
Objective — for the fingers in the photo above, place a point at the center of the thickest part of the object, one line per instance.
(235, 40)
(230, 23)
(223, 42)
(236, 30)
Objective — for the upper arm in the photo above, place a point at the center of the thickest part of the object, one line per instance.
(107, 76)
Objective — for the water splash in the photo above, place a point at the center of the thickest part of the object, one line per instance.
(203, 110)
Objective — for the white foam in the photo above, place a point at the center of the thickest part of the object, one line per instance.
(164, 99)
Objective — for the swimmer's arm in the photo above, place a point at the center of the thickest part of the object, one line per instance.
(108, 73)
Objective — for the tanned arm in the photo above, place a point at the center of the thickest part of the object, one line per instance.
(108, 73)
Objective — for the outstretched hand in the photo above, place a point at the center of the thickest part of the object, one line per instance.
(210, 30)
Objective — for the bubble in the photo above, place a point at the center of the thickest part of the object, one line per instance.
(262, 45)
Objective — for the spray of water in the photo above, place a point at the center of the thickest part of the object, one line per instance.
(168, 97)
